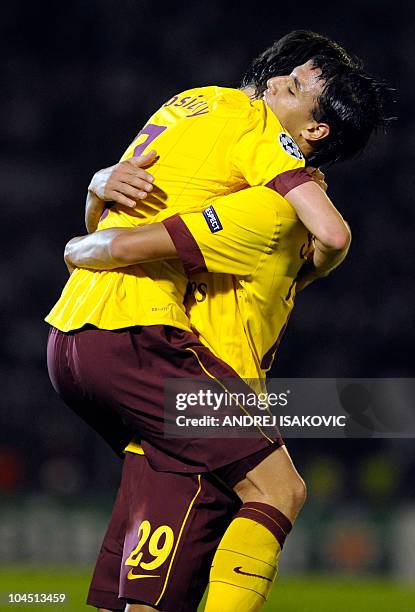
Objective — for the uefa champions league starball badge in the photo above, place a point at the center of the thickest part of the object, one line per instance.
(290, 146)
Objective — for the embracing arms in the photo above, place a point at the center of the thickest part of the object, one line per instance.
(124, 183)
(332, 236)
(119, 247)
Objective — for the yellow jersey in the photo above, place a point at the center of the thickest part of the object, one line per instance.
(211, 141)
(245, 251)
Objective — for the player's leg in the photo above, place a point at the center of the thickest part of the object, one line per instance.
(170, 525)
(72, 388)
(128, 378)
(105, 584)
(245, 564)
(276, 482)
(115, 380)
(176, 522)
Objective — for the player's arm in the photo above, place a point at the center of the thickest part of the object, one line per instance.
(259, 154)
(320, 216)
(305, 190)
(120, 247)
(311, 270)
(125, 184)
(313, 207)
(231, 241)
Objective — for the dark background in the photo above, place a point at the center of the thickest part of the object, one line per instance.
(79, 80)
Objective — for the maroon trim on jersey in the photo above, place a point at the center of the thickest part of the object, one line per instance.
(283, 183)
(187, 248)
(268, 516)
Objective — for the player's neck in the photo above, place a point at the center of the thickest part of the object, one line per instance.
(305, 147)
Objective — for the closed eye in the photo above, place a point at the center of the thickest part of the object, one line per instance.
(291, 91)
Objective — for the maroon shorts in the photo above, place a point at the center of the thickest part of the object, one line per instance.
(115, 381)
(161, 539)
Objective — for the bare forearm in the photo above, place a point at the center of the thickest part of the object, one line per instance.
(120, 247)
(325, 259)
(93, 210)
(320, 216)
(92, 251)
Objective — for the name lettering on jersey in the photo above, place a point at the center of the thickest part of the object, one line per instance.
(196, 290)
(290, 146)
(212, 219)
(190, 103)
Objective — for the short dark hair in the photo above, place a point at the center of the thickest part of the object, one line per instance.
(293, 49)
(352, 102)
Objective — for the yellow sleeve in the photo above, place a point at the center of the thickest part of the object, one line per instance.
(265, 154)
(230, 236)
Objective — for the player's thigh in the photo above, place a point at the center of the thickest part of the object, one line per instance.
(175, 523)
(276, 481)
(65, 376)
(277, 467)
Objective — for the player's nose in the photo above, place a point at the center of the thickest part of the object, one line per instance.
(274, 82)
(271, 84)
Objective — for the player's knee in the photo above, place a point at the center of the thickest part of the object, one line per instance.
(299, 491)
(293, 489)
(287, 492)
(294, 492)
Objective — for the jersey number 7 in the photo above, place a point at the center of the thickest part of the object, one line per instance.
(150, 130)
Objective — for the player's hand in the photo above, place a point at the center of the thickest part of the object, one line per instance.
(306, 275)
(125, 183)
(318, 176)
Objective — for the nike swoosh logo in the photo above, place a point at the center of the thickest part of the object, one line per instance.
(132, 576)
(238, 570)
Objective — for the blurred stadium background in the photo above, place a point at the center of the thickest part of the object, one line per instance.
(79, 80)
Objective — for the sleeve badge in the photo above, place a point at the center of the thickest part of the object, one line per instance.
(290, 146)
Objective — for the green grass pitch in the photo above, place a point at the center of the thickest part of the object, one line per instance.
(307, 594)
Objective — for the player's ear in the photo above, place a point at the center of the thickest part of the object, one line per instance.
(316, 131)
